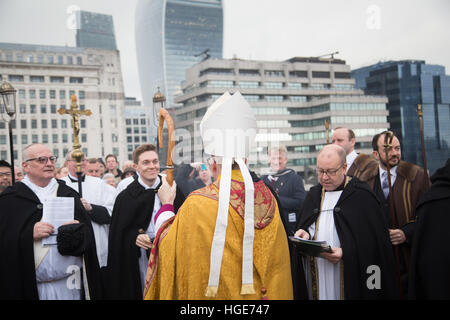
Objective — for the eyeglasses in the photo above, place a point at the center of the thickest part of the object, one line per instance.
(43, 160)
(329, 172)
(5, 174)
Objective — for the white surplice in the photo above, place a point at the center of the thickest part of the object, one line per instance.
(328, 273)
(151, 232)
(98, 192)
(57, 277)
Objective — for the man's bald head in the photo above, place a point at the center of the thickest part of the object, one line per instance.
(331, 167)
(333, 150)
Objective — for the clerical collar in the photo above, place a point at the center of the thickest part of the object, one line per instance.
(73, 179)
(142, 183)
(340, 188)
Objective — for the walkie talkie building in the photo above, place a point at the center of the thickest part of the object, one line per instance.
(172, 36)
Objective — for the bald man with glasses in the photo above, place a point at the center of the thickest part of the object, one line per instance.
(30, 269)
(344, 212)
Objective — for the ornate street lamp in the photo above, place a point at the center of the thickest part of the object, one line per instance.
(8, 111)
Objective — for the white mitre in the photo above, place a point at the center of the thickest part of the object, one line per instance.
(228, 130)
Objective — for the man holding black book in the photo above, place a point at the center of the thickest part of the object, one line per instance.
(345, 213)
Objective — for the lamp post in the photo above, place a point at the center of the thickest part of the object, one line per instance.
(8, 111)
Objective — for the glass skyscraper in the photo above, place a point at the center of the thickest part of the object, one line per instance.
(407, 84)
(171, 36)
(95, 30)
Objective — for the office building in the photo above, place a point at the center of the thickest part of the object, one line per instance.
(291, 99)
(406, 84)
(45, 78)
(171, 36)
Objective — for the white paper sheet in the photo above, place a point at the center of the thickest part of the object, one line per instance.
(57, 211)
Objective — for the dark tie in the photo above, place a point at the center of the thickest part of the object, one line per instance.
(385, 184)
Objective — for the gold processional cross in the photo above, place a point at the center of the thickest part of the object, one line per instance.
(75, 113)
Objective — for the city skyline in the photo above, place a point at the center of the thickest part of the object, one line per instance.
(364, 32)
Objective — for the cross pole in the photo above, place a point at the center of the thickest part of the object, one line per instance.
(77, 154)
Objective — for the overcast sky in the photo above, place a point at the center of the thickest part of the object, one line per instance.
(363, 31)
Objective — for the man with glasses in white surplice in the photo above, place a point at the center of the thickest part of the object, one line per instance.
(30, 269)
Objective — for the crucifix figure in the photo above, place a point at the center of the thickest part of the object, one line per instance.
(77, 154)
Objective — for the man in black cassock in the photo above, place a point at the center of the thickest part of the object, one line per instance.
(344, 212)
(28, 269)
(430, 261)
(133, 229)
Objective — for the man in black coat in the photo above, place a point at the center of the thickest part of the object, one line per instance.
(344, 212)
(23, 257)
(287, 185)
(132, 228)
(430, 260)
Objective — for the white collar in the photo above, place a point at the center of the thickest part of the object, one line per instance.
(41, 192)
(350, 158)
(142, 183)
(393, 171)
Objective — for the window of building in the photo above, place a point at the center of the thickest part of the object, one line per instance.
(30, 58)
(40, 59)
(44, 124)
(83, 137)
(15, 78)
(320, 74)
(60, 59)
(19, 57)
(45, 138)
(33, 124)
(251, 97)
(62, 94)
(33, 108)
(57, 79)
(54, 138)
(79, 60)
(52, 94)
(76, 80)
(22, 93)
(273, 85)
(64, 123)
(69, 60)
(54, 124)
(53, 108)
(298, 74)
(249, 72)
(81, 94)
(32, 93)
(273, 98)
(274, 73)
(24, 139)
(23, 108)
(23, 124)
(50, 59)
(342, 75)
(42, 94)
(43, 108)
(37, 79)
(64, 138)
(83, 123)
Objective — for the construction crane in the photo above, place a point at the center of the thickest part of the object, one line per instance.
(205, 54)
(328, 54)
